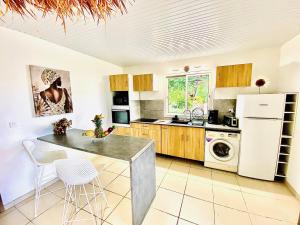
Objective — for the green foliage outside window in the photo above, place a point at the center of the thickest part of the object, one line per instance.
(177, 93)
(182, 96)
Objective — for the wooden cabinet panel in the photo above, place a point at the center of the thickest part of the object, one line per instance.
(164, 139)
(143, 82)
(148, 131)
(119, 82)
(155, 134)
(176, 141)
(136, 82)
(184, 142)
(125, 131)
(194, 145)
(244, 74)
(234, 75)
(147, 82)
(226, 77)
(145, 132)
(135, 132)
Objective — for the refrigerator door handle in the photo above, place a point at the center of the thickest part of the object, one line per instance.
(263, 104)
(258, 118)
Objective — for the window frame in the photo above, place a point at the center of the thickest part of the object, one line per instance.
(187, 75)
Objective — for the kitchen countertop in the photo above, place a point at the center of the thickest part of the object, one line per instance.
(207, 126)
(114, 146)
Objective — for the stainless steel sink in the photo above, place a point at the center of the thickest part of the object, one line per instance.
(180, 122)
(184, 122)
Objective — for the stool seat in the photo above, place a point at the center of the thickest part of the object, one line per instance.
(47, 157)
(76, 174)
(41, 159)
(75, 171)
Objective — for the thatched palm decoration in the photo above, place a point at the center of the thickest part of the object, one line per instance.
(98, 9)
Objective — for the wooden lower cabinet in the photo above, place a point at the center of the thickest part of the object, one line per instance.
(176, 141)
(148, 131)
(155, 134)
(183, 142)
(194, 145)
(135, 132)
(125, 131)
(164, 139)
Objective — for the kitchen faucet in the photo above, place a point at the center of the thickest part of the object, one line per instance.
(188, 111)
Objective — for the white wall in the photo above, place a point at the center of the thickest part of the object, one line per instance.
(89, 90)
(289, 81)
(265, 64)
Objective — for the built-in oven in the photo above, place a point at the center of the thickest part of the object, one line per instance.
(120, 115)
(121, 98)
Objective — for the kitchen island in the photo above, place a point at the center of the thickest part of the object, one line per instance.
(139, 152)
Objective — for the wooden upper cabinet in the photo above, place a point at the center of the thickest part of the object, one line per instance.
(194, 145)
(234, 75)
(143, 82)
(119, 82)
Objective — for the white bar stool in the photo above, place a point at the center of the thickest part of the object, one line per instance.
(40, 159)
(77, 173)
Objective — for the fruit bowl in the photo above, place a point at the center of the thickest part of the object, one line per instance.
(91, 135)
(95, 140)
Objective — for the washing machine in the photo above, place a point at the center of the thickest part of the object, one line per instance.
(222, 150)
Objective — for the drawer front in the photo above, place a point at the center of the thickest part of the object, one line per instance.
(145, 132)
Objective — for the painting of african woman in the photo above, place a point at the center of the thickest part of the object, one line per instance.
(51, 89)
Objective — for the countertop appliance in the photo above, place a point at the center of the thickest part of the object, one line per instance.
(230, 121)
(121, 98)
(222, 150)
(213, 117)
(260, 119)
(146, 120)
(120, 115)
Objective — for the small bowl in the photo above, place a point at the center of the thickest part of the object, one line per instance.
(95, 140)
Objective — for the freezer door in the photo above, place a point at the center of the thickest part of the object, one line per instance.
(261, 106)
(259, 148)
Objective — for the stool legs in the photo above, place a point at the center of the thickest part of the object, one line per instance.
(38, 187)
(72, 202)
(99, 184)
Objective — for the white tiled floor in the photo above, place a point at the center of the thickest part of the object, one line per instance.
(187, 194)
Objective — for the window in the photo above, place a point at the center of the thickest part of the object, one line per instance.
(187, 92)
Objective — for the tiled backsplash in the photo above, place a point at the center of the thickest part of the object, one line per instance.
(153, 109)
(224, 105)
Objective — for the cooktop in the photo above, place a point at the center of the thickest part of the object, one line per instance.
(146, 120)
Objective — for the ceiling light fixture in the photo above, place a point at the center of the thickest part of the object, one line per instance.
(98, 9)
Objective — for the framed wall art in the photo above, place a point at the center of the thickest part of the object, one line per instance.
(51, 90)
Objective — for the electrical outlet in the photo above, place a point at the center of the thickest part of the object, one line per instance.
(12, 124)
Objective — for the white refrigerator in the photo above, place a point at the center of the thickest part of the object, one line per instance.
(260, 120)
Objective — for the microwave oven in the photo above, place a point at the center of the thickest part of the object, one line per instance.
(120, 98)
(121, 115)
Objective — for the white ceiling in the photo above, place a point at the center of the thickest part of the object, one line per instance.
(164, 30)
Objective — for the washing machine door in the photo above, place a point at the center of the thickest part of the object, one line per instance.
(221, 150)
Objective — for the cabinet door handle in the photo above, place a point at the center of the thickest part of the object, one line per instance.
(182, 137)
(187, 138)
